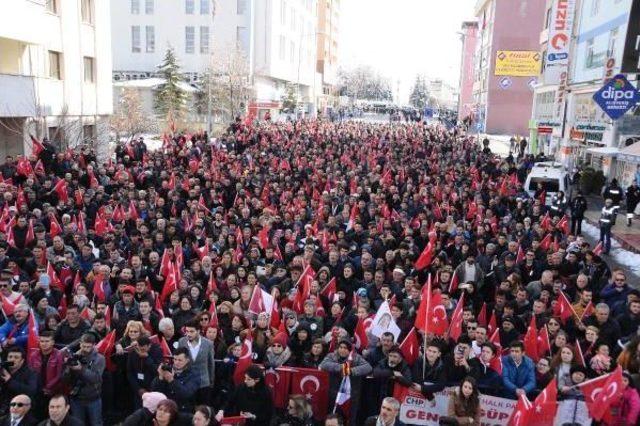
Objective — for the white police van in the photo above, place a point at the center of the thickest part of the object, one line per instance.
(553, 178)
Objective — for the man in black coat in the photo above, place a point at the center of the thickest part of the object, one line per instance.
(429, 375)
(17, 379)
(59, 413)
(389, 414)
(19, 413)
(391, 370)
(578, 207)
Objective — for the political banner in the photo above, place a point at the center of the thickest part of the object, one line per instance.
(415, 409)
(518, 63)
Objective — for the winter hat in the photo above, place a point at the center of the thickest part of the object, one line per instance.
(280, 338)
(150, 400)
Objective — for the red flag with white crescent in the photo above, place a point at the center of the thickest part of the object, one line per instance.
(600, 392)
(314, 385)
(244, 362)
(410, 347)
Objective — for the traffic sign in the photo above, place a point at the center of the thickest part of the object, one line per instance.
(617, 97)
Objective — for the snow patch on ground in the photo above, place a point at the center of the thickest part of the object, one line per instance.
(623, 257)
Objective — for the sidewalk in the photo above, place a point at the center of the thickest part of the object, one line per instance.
(627, 236)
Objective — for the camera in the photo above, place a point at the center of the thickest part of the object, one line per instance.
(166, 367)
(74, 360)
(5, 365)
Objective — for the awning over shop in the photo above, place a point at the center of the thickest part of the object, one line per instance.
(630, 153)
(605, 151)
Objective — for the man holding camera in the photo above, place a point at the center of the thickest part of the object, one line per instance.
(178, 382)
(83, 373)
(15, 378)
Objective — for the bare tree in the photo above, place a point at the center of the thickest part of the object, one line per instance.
(363, 82)
(129, 118)
(227, 84)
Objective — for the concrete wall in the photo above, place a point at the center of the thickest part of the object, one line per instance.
(517, 26)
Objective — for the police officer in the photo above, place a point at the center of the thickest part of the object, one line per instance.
(578, 207)
(633, 197)
(558, 204)
(607, 220)
(613, 192)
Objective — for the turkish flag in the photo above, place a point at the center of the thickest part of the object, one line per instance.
(36, 147)
(425, 257)
(544, 345)
(33, 332)
(563, 308)
(522, 412)
(531, 340)
(588, 311)
(261, 301)
(521, 255)
(545, 244)
(546, 404)
(453, 286)
(275, 320)
(244, 361)
(98, 288)
(330, 289)
(431, 316)
(492, 326)
(54, 225)
(597, 250)
(563, 225)
(410, 347)
(362, 341)
(304, 288)
(601, 391)
(455, 329)
(482, 316)
(61, 189)
(314, 385)
(8, 307)
(106, 347)
(212, 285)
(278, 381)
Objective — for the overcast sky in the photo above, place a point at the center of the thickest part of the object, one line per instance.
(402, 38)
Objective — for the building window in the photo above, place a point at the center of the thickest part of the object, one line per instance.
(594, 59)
(86, 9)
(135, 7)
(292, 51)
(55, 70)
(190, 39)
(150, 33)
(283, 13)
(281, 48)
(148, 7)
(204, 39)
(204, 7)
(189, 7)
(595, 7)
(135, 39)
(241, 5)
(52, 6)
(88, 69)
(613, 37)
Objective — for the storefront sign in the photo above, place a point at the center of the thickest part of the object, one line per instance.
(562, 14)
(545, 130)
(560, 94)
(518, 63)
(617, 97)
(587, 132)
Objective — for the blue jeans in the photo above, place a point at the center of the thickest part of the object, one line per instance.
(89, 413)
(605, 237)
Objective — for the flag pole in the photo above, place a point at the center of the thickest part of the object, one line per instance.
(426, 321)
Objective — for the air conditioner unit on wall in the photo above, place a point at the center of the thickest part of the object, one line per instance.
(626, 140)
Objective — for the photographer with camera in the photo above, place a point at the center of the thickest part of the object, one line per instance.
(83, 373)
(141, 369)
(179, 381)
(15, 332)
(15, 378)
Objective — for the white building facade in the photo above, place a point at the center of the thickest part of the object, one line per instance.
(55, 73)
(278, 38)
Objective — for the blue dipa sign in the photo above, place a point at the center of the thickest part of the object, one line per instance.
(617, 97)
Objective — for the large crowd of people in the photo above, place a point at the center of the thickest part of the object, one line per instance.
(162, 287)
